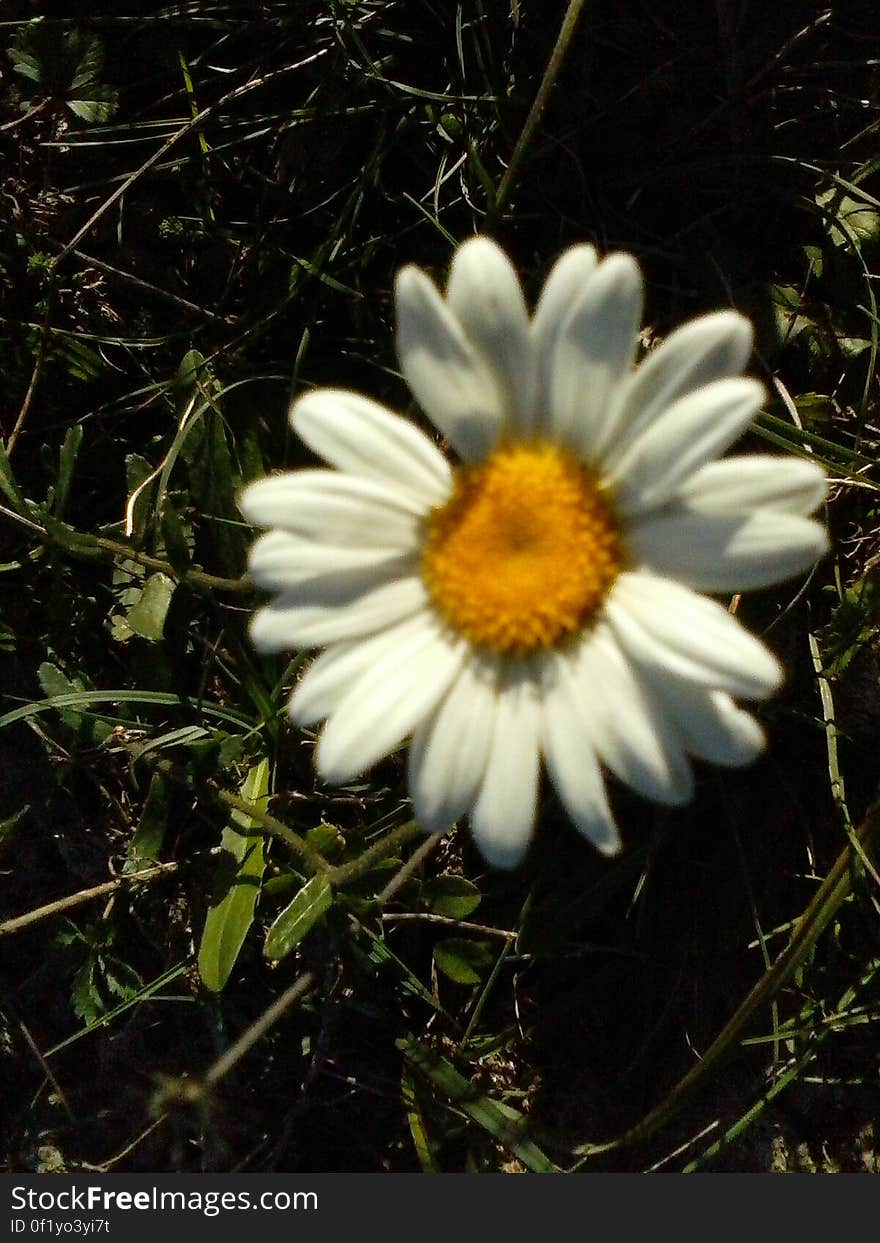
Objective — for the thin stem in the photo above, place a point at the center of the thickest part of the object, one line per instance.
(831, 894)
(117, 548)
(298, 845)
(37, 372)
(9, 926)
(137, 283)
(232, 585)
(406, 870)
(551, 73)
(447, 921)
(275, 827)
(346, 872)
(246, 1041)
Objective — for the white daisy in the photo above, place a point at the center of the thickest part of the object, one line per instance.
(537, 601)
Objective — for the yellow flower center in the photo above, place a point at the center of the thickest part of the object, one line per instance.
(524, 551)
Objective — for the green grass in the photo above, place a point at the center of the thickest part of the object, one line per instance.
(203, 211)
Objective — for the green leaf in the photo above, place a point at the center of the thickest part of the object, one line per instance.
(176, 537)
(120, 979)
(8, 485)
(100, 106)
(237, 886)
(310, 904)
(816, 410)
(24, 62)
(326, 839)
(188, 373)
(410, 1096)
(213, 481)
(9, 826)
(88, 1004)
(452, 896)
(66, 466)
(91, 59)
(848, 222)
(146, 842)
(137, 471)
(463, 961)
(54, 683)
(146, 617)
(505, 1124)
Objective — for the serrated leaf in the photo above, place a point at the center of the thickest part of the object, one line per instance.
(119, 978)
(310, 904)
(452, 896)
(91, 60)
(87, 1002)
(25, 63)
(83, 363)
(237, 886)
(462, 960)
(146, 617)
(99, 107)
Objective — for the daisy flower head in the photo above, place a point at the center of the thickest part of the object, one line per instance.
(539, 600)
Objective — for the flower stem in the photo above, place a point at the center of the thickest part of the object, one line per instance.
(83, 543)
(831, 894)
(344, 873)
(551, 73)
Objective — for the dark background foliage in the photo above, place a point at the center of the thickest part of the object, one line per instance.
(203, 208)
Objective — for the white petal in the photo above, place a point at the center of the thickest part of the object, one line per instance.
(574, 769)
(331, 675)
(594, 352)
(756, 481)
(450, 381)
(706, 349)
(670, 629)
(728, 552)
(710, 725)
(503, 816)
(387, 703)
(360, 436)
(485, 294)
(329, 615)
(692, 431)
(449, 751)
(279, 561)
(333, 508)
(562, 288)
(624, 721)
